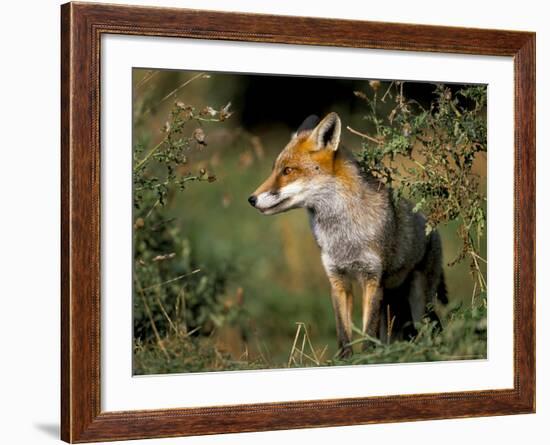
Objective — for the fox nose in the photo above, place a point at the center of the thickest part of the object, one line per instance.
(252, 200)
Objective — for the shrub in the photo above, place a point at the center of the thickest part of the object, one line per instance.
(173, 295)
(427, 153)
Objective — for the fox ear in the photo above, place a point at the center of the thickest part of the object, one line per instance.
(308, 124)
(327, 133)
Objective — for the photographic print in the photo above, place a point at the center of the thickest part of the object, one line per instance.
(293, 222)
(310, 201)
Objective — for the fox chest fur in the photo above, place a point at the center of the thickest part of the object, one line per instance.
(361, 233)
(348, 234)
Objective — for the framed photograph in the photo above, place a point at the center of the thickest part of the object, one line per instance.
(274, 222)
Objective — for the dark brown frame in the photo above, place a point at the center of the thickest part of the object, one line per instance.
(81, 28)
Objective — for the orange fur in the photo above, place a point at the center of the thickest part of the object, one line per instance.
(304, 159)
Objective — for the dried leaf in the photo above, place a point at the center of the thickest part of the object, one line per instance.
(225, 113)
(199, 136)
(374, 84)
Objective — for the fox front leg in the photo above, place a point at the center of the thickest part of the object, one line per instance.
(342, 303)
(372, 299)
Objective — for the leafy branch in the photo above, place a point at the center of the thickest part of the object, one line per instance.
(173, 293)
(428, 153)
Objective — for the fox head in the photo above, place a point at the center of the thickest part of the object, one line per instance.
(303, 169)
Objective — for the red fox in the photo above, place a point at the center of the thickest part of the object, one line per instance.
(363, 235)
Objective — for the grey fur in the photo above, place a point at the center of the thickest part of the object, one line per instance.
(367, 237)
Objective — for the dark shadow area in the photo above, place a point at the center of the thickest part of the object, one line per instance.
(49, 429)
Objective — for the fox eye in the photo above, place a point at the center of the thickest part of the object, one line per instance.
(287, 171)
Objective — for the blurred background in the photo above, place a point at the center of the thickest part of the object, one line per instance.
(270, 266)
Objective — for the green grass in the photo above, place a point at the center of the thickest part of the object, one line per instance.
(464, 337)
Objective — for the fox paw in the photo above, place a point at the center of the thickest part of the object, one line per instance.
(368, 346)
(345, 352)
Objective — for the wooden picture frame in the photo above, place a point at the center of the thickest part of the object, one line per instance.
(82, 26)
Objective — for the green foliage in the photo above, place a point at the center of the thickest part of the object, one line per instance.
(464, 337)
(184, 354)
(428, 153)
(189, 304)
(173, 294)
